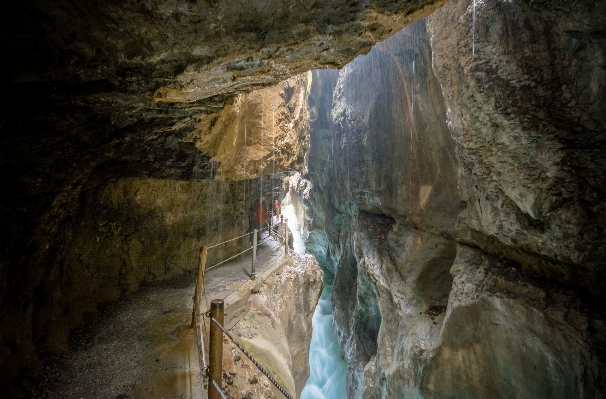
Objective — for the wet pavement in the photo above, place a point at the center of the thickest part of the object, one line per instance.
(143, 346)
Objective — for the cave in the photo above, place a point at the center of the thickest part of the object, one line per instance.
(442, 164)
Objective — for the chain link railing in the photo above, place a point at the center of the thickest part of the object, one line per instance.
(216, 344)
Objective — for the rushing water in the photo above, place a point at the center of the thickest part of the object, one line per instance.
(298, 244)
(328, 371)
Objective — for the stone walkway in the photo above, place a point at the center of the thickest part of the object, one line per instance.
(143, 346)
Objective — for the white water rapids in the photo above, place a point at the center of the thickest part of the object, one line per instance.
(328, 372)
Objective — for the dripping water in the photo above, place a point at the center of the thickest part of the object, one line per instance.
(473, 30)
(411, 141)
(244, 179)
(273, 153)
(262, 143)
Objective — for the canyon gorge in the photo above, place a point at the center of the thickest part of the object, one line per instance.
(450, 176)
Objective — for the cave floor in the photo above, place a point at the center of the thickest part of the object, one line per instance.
(143, 346)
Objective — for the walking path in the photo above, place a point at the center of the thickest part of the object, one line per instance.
(143, 346)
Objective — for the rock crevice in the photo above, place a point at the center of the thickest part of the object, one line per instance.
(448, 193)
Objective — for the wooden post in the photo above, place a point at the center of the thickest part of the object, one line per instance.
(285, 236)
(194, 308)
(254, 254)
(216, 348)
(199, 285)
(201, 268)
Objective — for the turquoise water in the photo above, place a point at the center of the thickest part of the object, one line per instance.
(328, 371)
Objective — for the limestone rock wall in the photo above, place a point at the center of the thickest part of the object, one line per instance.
(526, 114)
(131, 232)
(275, 327)
(180, 51)
(453, 276)
(135, 213)
(465, 324)
(263, 132)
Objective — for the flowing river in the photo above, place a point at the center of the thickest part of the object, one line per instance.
(328, 371)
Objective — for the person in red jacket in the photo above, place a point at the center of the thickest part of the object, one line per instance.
(276, 207)
(259, 214)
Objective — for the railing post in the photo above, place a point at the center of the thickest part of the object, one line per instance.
(285, 236)
(254, 255)
(199, 285)
(201, 269)
(215, 348)
(282, 222)
(271, 221)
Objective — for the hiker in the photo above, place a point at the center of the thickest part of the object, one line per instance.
(259, 214)
(276, 207)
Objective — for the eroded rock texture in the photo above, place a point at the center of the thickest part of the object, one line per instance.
(102, 96)
(458, 199)
(262, 132)
(86, 226)
(275, 327)
(527, 116)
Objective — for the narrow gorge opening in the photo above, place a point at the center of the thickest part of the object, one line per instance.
(440, 166)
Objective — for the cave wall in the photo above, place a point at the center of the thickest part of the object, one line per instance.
(265, 131)
(464, 268)
(133, 212)
(526, 113)
(104, 95)
(500, 151)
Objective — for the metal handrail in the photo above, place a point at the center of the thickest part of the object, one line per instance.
(218, 388)
(228, 259)
(233, 239)
(199, 321)
(248, 355)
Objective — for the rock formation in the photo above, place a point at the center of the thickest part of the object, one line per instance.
(263, 132)
(104, 99)
(136, 211)
(457, 174)
(272, 320)
(457, 197)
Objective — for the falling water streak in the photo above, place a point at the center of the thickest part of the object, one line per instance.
(473, 30)
(221, 204)
(349, 197)
(411, 162)
(412, 107)
(262, 140)
(245, 180)
(213, 200)
(412, 97)
(273, 152)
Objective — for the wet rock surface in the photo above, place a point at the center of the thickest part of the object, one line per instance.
(134, 213)
(455, 276)
(265, 131)
(104, 91)
(276, 331)
(458, 188)
(526, 116)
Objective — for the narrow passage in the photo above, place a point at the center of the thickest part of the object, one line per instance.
(328, 371)
(143, 346)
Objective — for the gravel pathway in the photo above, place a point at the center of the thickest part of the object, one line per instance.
(142, 346)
